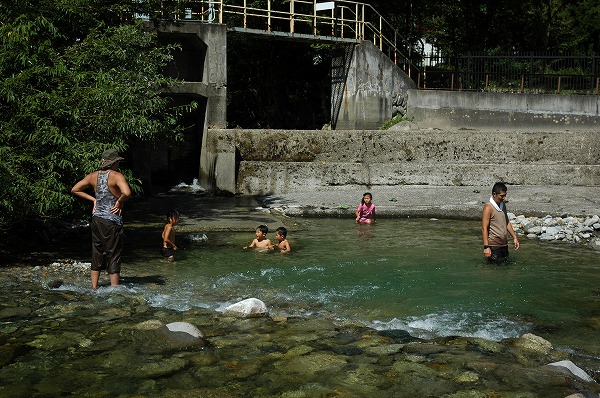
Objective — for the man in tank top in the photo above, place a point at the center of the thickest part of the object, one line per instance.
(111, 192)
(495, 226)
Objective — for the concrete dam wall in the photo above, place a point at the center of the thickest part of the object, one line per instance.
(502, 111)
(257, 162)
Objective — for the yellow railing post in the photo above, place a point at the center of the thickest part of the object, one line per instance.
(342, 22)
(395, 47)
(292, 17)
(363, 23)
(333, 22)
(269, 15)
(380, 34)
(315, 17)
(356, 32)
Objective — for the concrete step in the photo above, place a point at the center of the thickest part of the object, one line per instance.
(279, 161)
(260, 177)
(462, 146)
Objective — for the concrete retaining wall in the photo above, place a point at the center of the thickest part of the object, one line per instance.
(455, 109)
(278, 161)
(373, 87)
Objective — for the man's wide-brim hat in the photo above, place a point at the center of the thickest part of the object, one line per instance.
(109, 157)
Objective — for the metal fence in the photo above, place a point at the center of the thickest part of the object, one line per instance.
(525, 73)
(331, 21)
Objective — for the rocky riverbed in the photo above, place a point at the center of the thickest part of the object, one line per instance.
(568, 229)
(55, 341)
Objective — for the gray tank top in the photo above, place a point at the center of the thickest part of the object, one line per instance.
(498, 229)
(105, 200)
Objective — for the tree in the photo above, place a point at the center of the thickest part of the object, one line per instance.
(460, 26)
(77, 77)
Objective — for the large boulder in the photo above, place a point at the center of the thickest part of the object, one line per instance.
(251, 307)
(530, 350)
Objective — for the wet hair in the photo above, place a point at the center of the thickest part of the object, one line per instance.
(282, 231)
(263, 228)
(363, 198)
(174, 214)
(498, 187)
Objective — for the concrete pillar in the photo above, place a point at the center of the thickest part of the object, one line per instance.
(202, 65)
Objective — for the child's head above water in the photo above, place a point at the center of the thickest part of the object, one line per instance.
(366, 197)
(261, 232)
(281, 232)
(172, 215)
(262, 228)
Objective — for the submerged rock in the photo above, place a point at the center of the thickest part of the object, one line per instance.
(14, 312)
(184, 327)
(9, 352)
(159, 369)
(179, 335)
(251, 307)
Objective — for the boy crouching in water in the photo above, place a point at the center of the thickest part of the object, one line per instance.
(168, 235)
(282, 243)
(261, 243)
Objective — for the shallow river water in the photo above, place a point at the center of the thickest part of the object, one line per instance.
(343, 285)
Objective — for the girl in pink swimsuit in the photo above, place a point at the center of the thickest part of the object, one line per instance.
(366, 211)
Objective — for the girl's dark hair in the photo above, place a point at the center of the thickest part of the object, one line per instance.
(363, 198)
(172, 214)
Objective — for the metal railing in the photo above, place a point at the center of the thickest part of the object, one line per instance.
(340, 20)
(521, 73)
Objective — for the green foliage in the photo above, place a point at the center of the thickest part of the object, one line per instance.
(71, 86)
(395, 120)
(457, 27)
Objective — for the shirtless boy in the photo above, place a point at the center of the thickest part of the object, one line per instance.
(168, 235)
(282, 243)
(261, 242)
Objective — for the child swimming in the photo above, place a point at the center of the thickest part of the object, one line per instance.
(283, 245)
(261, 243)
(366, 210)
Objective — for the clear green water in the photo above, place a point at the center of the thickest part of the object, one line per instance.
(428, 277)
(59, 338)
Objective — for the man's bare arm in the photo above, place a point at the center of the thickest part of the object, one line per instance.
(80, 188)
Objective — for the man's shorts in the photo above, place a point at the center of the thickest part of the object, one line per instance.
(107, 245)
(499, 254)
(167, 252)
